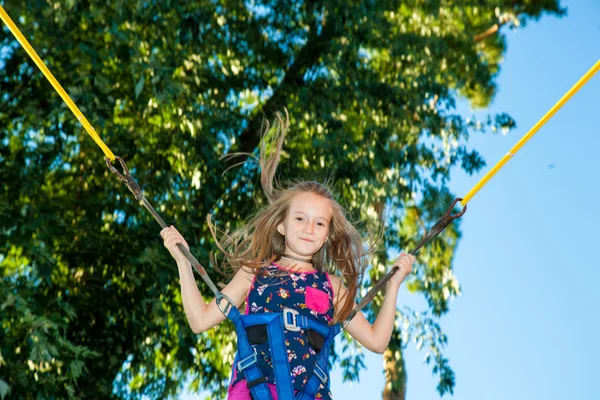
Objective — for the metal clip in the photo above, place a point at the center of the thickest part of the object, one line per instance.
(320, 374)
(290, 319)
(246, 362)
(127, 178)
(229, 304)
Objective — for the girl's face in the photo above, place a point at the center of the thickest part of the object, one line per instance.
(306, 225)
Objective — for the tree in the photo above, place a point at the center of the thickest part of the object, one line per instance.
(91, 305)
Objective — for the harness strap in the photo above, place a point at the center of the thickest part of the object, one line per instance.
(319, 375)
(246, 358)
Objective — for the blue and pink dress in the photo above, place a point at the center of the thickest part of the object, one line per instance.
(310, 294)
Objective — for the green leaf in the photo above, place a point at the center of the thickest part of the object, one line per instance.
(4, 389)
(76, 368)
(10, 300)
(140, 85)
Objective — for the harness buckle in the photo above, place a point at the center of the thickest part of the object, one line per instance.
(229, 304)
(246, 362)
(290, 319)
(320, 374)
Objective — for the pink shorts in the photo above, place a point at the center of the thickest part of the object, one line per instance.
(241, 392)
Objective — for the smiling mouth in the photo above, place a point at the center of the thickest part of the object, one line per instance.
(306, 240)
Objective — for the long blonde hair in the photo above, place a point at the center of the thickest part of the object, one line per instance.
(258, 243)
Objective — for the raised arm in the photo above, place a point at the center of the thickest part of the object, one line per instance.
(200, 315)
(376, 337)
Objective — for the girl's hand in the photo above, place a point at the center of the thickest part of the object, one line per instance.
(404, 264)
(171, 238)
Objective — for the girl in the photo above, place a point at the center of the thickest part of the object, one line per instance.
(297, 265)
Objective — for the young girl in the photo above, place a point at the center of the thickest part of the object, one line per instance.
(298, 264)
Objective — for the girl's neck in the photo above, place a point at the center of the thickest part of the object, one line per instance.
(294, 265)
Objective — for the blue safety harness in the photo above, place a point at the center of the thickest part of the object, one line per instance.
(275, 324)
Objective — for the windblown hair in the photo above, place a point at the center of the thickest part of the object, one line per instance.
(258, 243)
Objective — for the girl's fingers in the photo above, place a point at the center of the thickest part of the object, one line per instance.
(168, 229)
(172, 237)
(175, 240)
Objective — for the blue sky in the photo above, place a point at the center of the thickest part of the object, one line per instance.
(527, 323)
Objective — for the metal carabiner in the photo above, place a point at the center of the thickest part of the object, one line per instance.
(128, 179)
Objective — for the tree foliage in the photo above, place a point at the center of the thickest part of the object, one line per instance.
(90, 303)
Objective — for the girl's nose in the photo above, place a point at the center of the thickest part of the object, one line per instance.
(309, 228)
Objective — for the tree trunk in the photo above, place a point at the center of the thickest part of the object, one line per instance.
(395, 372)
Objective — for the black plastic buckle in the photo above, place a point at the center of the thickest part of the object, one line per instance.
(255, 382)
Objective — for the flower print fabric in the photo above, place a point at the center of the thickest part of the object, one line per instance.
(309, 293)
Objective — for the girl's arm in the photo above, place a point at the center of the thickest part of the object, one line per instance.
(376, 337)
(200, 315)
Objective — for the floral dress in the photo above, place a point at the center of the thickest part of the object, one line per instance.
(309, 293)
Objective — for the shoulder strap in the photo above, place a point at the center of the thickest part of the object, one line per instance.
(246, 358)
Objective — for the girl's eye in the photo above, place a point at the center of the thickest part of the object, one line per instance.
(321, 224)
(298, 219)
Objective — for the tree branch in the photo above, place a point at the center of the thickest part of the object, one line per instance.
(488, 32)
(315, 47)
(491, 30)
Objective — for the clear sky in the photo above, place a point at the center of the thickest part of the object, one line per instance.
(527, 324)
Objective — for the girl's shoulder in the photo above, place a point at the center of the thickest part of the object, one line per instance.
(335, 280)
(337, 285)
